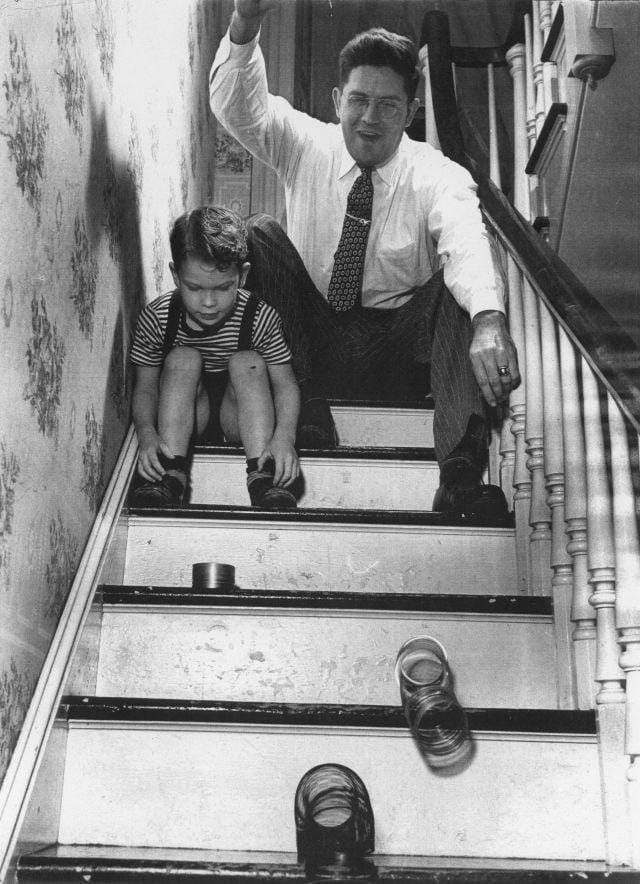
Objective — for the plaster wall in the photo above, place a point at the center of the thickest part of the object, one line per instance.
(105, 137)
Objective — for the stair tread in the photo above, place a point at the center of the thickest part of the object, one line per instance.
(241, 867)
(264, 598)
(426, 518)
(543, 721)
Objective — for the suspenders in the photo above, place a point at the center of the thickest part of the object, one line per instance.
(173, 323)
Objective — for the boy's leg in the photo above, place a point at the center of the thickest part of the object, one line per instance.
(247, 416)
(246, 413)
(182, 399)
(180, 388)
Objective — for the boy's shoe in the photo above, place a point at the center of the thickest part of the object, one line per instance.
(265, 494)
(169, 491)
(316, 428)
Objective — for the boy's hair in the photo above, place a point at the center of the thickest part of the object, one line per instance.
(211, 233)
(380, 48)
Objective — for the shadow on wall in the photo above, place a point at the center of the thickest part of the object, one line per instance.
(112, 207)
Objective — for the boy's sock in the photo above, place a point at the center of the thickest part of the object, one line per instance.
(261, 488)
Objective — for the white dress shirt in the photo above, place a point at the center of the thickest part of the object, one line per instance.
(425, 208)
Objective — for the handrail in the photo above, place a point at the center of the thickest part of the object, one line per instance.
(608, 348)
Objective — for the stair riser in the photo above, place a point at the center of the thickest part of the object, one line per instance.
(318, 657)
(325, 482)
(380, 427)
(354, 558)
(232, 788)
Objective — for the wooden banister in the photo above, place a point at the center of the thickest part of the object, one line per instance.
(610, 351)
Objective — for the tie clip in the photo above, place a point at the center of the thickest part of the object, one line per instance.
(363, 221)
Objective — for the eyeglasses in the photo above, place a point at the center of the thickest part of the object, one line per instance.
(387, 109)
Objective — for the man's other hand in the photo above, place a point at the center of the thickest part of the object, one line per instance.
(493, 356)
(247, 18)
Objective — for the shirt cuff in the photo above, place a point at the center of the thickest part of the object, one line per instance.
(485, 300)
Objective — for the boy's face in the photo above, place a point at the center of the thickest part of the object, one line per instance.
(208, 294)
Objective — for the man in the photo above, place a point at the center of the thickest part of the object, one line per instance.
(386, 260)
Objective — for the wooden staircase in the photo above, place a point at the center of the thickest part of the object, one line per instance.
(192, 716)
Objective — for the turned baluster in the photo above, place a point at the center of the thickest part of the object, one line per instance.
(530, 83)
(575, 514)
(549, 72)
(539, 515)
(531, 113)
(517, 400)
(627, 557)
(537, 68)
(507, 446)
(431, 129)
(494, 158)
(562, 574)
(600, 552)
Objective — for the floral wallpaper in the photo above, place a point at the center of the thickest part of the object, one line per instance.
(105, 136)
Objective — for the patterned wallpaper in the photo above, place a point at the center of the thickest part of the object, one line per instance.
(105, 136)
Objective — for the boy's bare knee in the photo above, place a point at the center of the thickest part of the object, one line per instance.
(246, 363)
(184, 359)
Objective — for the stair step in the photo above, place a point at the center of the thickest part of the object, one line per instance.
(118, 864)
(408, 424)
(345, 478)
(342, 550)
(319, 647)
(223, 776)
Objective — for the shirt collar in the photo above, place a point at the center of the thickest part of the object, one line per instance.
(386, 172)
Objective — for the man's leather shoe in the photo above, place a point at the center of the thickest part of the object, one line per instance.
(484, 502)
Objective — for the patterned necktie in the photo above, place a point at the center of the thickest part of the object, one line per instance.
(345, 287)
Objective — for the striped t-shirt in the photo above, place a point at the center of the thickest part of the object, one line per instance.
(215, 346)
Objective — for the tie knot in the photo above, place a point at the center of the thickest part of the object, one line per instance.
(366, 171)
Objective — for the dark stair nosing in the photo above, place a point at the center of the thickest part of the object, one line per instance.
(112, 594)
(43, 866)
(326, 515)
(424, 404)
(347, 452)
(85, 708)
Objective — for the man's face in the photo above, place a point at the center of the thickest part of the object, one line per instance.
(373, 109)
(208, 294)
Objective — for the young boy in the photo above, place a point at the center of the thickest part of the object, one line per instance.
(212, 364)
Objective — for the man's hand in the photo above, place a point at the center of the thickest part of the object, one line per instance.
(247, 18)
(285, 458)
(150, 445)
(493, 356)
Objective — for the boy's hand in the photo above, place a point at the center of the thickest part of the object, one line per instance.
(150, 445)
(285, 458)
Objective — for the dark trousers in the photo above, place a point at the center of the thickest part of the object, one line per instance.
(378, 354)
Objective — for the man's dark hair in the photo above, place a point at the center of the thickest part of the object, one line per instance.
(211, 233)
(380, 48)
